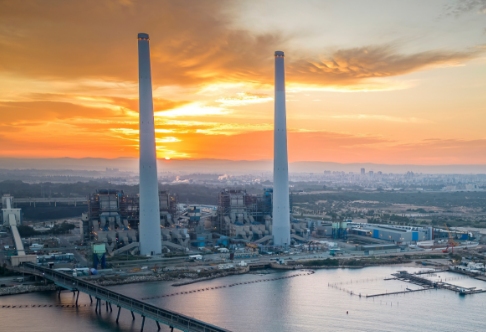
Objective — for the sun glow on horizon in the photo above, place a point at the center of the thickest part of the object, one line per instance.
(360, 85)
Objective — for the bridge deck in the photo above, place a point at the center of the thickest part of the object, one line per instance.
(160, 315)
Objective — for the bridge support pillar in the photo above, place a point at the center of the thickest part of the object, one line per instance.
(133, 316)
(111, 310)
(106, 303)
(77, 298)
(98, 306)
(118, 316)
(90, 299)
(171, 328)
(143, 323)
(158, 325)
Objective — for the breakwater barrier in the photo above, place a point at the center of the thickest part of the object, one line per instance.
(43, 305)
(205, 289)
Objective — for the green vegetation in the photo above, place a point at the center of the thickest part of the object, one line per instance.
(27, 231)
(186, 192)
(356, 262)
(322, 262)
(58, 229)
(439, 199)
(4, 272)
(64, 228)
(336, 204)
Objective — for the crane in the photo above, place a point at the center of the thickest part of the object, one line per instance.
(451, 243)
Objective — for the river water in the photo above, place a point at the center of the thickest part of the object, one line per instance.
(327, 300)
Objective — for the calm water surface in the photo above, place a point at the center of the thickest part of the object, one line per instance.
(316, 302)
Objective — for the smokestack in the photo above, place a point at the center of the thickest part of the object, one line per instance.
(149, 227)
(281, 208)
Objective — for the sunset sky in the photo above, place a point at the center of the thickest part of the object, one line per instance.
(395, 82)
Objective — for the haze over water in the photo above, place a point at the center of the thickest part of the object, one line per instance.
(301, 303)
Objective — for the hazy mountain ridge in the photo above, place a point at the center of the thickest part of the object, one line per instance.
(229, 166)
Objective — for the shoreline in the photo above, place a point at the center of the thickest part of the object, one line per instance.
(107, 281)
(224, 274)
(318, 267)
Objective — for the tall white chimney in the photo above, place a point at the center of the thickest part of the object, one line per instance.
(149, 227)
(281, 208)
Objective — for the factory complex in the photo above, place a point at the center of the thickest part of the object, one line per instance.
(154, 222)
(240, 219)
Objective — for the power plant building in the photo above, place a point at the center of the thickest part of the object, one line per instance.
(248, 217)
(113, 217)
(243, 215)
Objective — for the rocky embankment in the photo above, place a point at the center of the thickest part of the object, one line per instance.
(213, 276)
(353, 263)
(118, 280)
(187, 277)
(21, 289)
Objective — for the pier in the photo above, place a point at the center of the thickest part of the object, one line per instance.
(400, 292)
(427, 284)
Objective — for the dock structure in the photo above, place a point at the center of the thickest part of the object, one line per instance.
(427, 284)
(400, 292)
(460, 290)
(145, 310)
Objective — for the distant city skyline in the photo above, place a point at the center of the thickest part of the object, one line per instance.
(388, 82)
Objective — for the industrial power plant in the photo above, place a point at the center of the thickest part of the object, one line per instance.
(147, 224)
(154, 222)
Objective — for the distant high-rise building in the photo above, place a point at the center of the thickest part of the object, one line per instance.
(149, 228)
(281, 206)
(363, 171)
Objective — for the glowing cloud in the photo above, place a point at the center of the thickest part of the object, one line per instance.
(192, 110)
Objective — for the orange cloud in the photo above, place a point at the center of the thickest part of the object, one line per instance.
(73, 76)
(190, 45)
(350, 66)
(33, 111)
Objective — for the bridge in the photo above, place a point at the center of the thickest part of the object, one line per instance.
(159, 315)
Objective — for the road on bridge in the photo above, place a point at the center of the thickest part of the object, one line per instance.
(164, 316)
